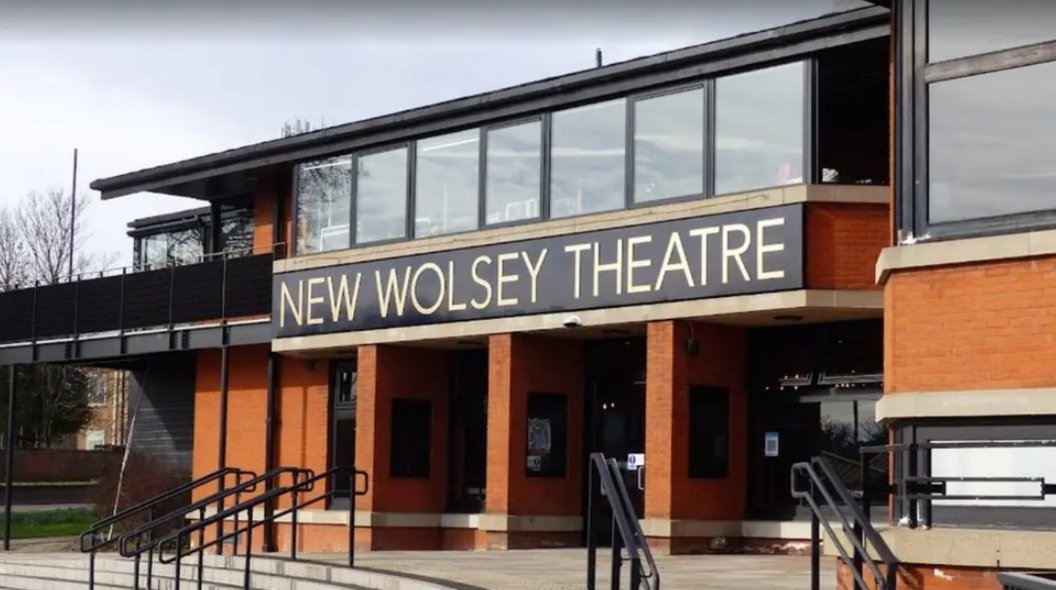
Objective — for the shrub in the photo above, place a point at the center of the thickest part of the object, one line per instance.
(145, 478)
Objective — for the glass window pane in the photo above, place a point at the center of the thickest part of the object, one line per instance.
(447, 176)
(237, 236)
(960, 28)
(324, 196)
(669, 146)
(155, 251)
(187, 246)
(587, 159)
(381, 197)
(515, 156)
(759, 129)
(987, 159)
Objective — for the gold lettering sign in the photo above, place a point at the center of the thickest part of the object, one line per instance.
(738, 253)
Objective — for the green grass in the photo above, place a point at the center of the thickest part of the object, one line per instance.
(51, 523)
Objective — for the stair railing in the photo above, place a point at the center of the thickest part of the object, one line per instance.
(178, 539)
(143, 537)
(825, 485)
(92, 539)
(626, 530)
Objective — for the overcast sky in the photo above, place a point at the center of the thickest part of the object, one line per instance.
(138, 84)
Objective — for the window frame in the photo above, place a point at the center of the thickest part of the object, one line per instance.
(481, 141)
(544, 174)
(708, 88)
(682, 77)
(913, 77)
(411, 148)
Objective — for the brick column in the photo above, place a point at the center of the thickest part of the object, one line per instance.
(399, 513)
(671, 495)
(521, 364)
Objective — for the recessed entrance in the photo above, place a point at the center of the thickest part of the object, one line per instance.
(615, 418)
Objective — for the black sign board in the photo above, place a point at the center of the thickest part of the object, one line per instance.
(756, 251)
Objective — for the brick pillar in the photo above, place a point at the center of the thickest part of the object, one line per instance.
(670, 493)
(520, 364)
(399, 513)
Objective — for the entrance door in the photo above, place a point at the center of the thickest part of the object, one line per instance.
(616, 411)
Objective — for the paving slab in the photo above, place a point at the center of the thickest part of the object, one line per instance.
(565, 569)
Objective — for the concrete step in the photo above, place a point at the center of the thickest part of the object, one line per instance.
(69, 571)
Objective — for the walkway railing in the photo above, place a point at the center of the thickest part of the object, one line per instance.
(178, 540)
(100, 535)
(918, 488)
(816, 482)
(627, 532)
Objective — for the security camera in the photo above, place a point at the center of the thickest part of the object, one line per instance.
(572, 321)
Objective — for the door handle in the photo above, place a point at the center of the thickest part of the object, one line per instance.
(641, 474)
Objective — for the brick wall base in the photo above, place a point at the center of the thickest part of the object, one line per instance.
(928, 577)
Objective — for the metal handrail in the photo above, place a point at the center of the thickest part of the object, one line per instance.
(637, 528)
(625, 522)
(204, 503)
(147, 530)
(151, 503)
(858, 532)
(148, 505)
(177, 537)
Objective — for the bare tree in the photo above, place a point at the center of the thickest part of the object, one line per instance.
(44, 220)
(14, 267)
(35, 247)
(297, 126)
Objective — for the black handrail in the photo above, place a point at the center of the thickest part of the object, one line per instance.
(148, 505)
(859, 529)
(625, 522)
(178, 537)
(147, 531)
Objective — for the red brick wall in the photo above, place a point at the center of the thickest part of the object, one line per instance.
(971, 327)
(844, 241)
(264, 212)
(927, 577)
(721, 362)
(387, 373)
(303, 411)
(520, 364)
(60, 465)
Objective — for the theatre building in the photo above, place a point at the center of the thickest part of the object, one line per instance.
(709, 264)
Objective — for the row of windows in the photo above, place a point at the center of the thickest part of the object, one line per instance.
(599, 157)
(990, 128)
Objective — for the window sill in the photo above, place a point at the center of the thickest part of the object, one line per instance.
(963, 251)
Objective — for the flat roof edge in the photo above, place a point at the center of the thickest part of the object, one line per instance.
(164, 176)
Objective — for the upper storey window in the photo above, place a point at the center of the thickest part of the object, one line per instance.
(587, 159)
(979, 138)
(759, 129)
(324, 200)
(816, 113)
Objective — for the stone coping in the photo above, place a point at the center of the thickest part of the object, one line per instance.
(738, 308)
(950, 252)
(983, 548)
(652, 527)
(819, 193)
(967, 404)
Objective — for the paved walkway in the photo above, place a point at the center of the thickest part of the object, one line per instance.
(565, 569)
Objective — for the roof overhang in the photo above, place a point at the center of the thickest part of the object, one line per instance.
(237, 171)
